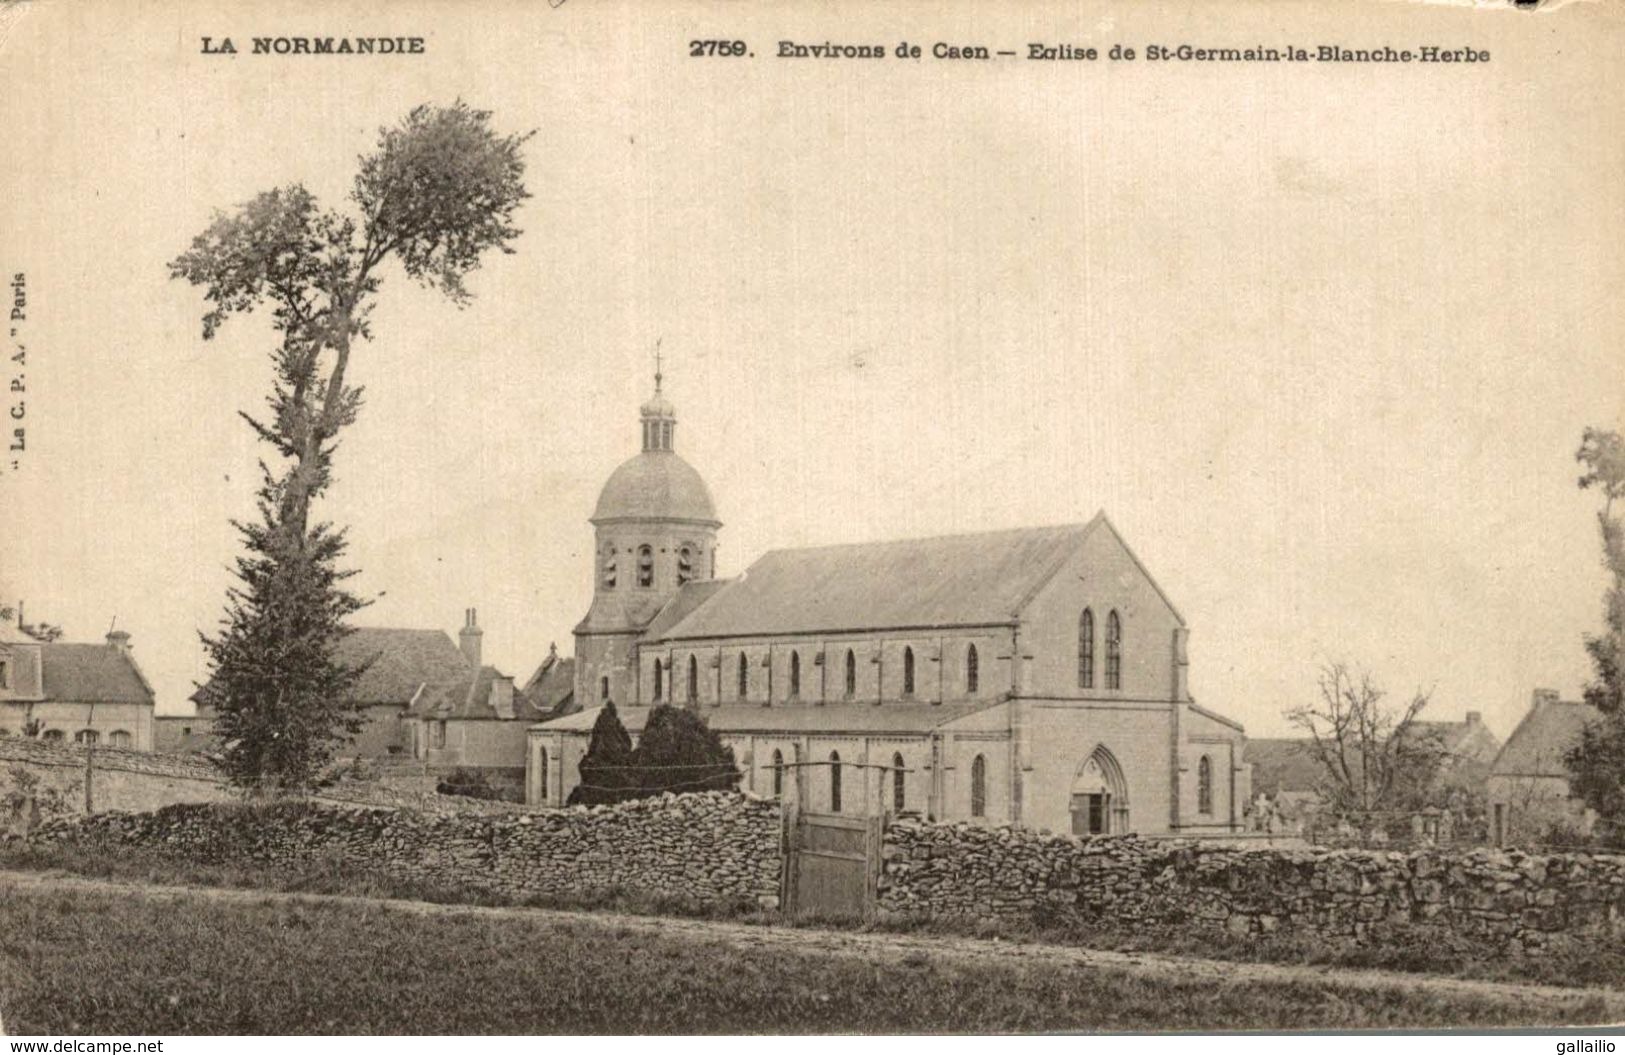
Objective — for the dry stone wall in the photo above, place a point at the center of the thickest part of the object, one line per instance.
(1485, 898)
(715, 849)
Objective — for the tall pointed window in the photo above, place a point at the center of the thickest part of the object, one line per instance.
(744, 678)
(973, 673)
(795, 675)
(1204, 785)
(646, 566)
(693, 679)
(778, 774)
(1114, 651)
(685, 565)
(899, 791)
(1086, 650)
(978, 787)
(851, 674)
(603, 688)
(835, 782)
(660, 678)
(908, 672)
(609, 572)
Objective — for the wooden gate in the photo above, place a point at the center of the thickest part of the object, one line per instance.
(831, 860)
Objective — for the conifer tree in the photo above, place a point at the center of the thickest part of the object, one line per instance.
(606, 767)
(679, 752)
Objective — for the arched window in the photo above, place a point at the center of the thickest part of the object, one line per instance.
(86, 736)
(1086, 650)
(609, 569)
(1204, 785)
(603, 688)
(898, 790)
(646, 566)
(978, 787)
(119, 738)
(835, 782)
(973, 672)
(685, 565)
(744, 678)
(1114, 651)
(660, 678)
(778, 773)
(52, 734)
(795, 674)
(908, 672)
(851, 674)
(693, 679)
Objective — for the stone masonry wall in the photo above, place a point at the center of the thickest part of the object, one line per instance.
(714, 849)
(121, 779)
(1483, 898)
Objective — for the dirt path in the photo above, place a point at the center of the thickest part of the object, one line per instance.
(871, 945)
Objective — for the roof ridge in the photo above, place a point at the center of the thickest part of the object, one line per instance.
(986, 533)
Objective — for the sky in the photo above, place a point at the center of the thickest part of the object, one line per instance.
(1321, 340)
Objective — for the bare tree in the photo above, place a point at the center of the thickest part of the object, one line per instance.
(1373, 763)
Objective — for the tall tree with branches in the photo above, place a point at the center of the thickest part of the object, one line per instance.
(435, 196)
(1373, 762)
(1597, 762)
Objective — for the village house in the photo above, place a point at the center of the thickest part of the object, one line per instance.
(1528, 784)
(478, 720)
(74, 693)
(1034, 677)
(400, 664)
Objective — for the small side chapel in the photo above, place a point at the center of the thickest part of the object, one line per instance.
(1033, 677)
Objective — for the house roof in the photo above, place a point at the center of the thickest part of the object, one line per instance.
(98, 673)
(402, 661)
(1281, 765)
(981, 579)
(1468, 739)
(552, 688)
(468, 698)
(833, 719)
(1537, 746)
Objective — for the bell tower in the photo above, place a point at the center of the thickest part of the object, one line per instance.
(655, 530)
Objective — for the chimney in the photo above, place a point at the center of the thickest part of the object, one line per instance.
(120, 640)
(469, 639)
(1540, 698)
(1475, 717)
(502, 696)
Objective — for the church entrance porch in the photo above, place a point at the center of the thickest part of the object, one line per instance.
(1099, 797)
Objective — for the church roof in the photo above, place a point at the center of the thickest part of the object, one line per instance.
(830, 719)
(980, 579)
(1537, 746)
(687, 598)
(655, 485)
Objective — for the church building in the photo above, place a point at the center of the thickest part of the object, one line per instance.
(1033, 677)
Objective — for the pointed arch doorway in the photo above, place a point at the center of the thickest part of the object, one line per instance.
(1099, 797)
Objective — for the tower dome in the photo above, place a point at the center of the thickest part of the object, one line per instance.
(656, 484)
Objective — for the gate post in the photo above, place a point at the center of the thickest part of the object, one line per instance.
(789, 830)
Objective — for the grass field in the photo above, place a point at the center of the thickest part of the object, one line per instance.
(86, 962)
